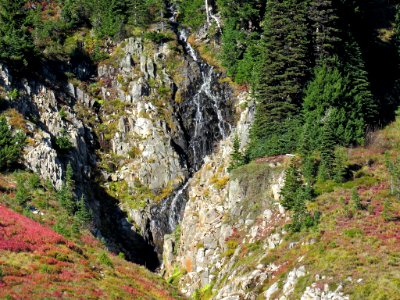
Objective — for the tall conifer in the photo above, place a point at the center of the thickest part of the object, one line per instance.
(323, 16)
(15, 39)
(281, 75)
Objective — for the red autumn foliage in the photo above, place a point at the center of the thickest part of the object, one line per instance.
(19, 233)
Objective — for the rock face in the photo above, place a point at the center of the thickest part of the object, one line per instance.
(140, 126)
(222, 218)
(171, 119)
(52, 117)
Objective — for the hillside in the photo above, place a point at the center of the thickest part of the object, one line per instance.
(38, 262)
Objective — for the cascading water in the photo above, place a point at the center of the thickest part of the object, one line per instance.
(205, 113)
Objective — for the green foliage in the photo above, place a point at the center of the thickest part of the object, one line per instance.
(63, 142)
(353, 232)
(104, 259)
(388, 214)
(13, 95)
(22, 194)
(240, 36)
(290, 190)
(157, 37)
(394, 172)
(340, 165)
(237, 158)
(11, 145)
(324, 18)
(273, 138)
(83, 215)
(325, 170)
(107, 18)
(363, 108)
(62, 113)
(65, 195)
(176, 276)
(355, 199)
(280, 78)
(15, 39)
(295, 195)
(204, 293)
(192, 13)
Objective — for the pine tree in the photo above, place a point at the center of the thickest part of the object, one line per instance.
(66, 195)
(291, 188)
(323, 16)
(11, 145)
(107, 18)
(355, 198)
(326, 91)
(241, 30)
(237, 158)
(281, 76)
(138, 13)
(363, 106)
(83, 214)
(15, 39)
(327, 147)
(339, 165)
(22, 194)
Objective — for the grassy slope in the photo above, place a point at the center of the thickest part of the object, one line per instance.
(36, 262)
(357, 248)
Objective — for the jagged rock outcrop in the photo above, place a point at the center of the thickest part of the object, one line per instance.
(231, 225)
(51, 116)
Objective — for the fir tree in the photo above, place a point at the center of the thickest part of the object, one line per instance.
(22, 194)
(237, 158)
(83, 214)
(363, 107)
(138, 13)
(11, 145)
(355, 198)
(15, 39)
(107, 18)
(323, 16)
(326, 91)
(281, 76)
(327, 147)
(66, 195)
(339, 165)
(290, 190)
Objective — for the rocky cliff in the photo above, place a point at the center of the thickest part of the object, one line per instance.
(134, 130)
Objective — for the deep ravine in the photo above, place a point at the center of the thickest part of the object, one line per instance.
(211, 116)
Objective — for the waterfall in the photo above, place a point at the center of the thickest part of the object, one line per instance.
(207, 110)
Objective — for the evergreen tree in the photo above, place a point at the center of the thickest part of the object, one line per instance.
(339, 165)
(363, 107)
(241, 31)
(11, 145)
(355, 198)
(83, 214)
(323, 16)
(107, 18)
(326, 91)
(66, 195)
(281, 76)
(15, 39)
(293, 185)
(327, 147)
(237, 158)
(138, 13)
(22, 194)
(76, 12)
